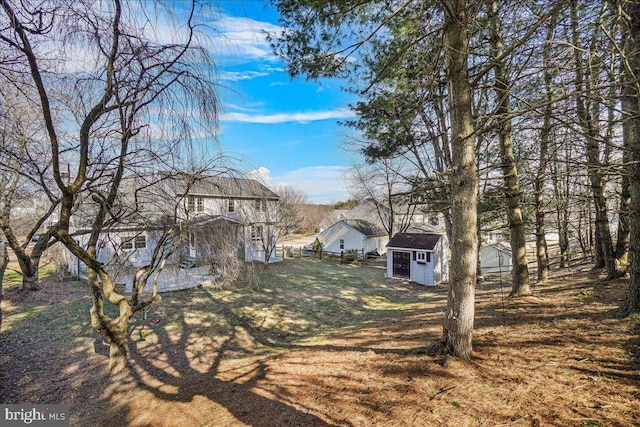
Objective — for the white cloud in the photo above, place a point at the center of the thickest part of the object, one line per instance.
(322, 184)
(249, 74)
(236, 76)
(245, 38)
(262, 175)
(301, 117)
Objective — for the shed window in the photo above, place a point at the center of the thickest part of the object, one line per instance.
(422, 257)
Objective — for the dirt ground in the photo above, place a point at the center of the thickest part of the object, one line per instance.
(563, 357)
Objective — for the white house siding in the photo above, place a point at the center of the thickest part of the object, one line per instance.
(110, 243)
(490, 262)
(376, 244)
(330, 238)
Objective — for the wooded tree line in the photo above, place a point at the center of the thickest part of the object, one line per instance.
(520, 112)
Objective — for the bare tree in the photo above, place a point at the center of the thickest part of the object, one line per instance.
(111, 105)
(27, 201)
(387, 184)
(276, 219)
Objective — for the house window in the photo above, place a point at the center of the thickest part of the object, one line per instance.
(126, 243)
(256, 232)
(428, 256)
(232, 205)
(191, 204)
(261, 205)
(140, 241)
(200, 204)
(341, 243)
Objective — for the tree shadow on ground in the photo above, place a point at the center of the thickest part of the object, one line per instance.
(49, 354)
(212, 349)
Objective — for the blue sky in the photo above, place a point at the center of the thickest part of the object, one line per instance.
(288, 129)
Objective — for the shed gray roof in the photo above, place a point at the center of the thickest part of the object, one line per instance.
(365, 227)
(426, 241)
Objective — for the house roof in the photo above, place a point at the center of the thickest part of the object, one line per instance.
(209, 219)
(222, 186)
(426, 241)
(365, 227)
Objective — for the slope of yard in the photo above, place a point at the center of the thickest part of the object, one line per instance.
(323, 344)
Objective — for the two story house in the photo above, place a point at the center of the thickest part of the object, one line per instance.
(210, 217)
(244, 208)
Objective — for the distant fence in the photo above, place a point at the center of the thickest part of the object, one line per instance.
(345, 256)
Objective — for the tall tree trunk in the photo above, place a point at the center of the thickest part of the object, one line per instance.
(598, 251)
(622, 243)
(460, 311)
(512, 193)
(594, 166)
(631, 113)
(4, 262)
(542, 254)
(562, 208)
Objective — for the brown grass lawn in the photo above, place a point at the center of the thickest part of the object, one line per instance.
(324, 344)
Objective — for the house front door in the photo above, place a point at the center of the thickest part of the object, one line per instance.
(401, 264)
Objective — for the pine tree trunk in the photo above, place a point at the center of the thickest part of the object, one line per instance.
(460, 311)
(622, 241)
(592, 148)
(512, 193)
(631, 115)
(4, 262)
(542, 254)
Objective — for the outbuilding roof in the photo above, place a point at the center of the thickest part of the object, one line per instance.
(365, 227)
(425, 241)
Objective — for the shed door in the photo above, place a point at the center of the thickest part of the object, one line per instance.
(401, 264)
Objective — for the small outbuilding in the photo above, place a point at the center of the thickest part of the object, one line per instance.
(353, 234)
(419, 257)
(495, 258)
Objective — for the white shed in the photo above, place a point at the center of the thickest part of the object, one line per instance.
(495, 258)
(419, 257)
(350, 234)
